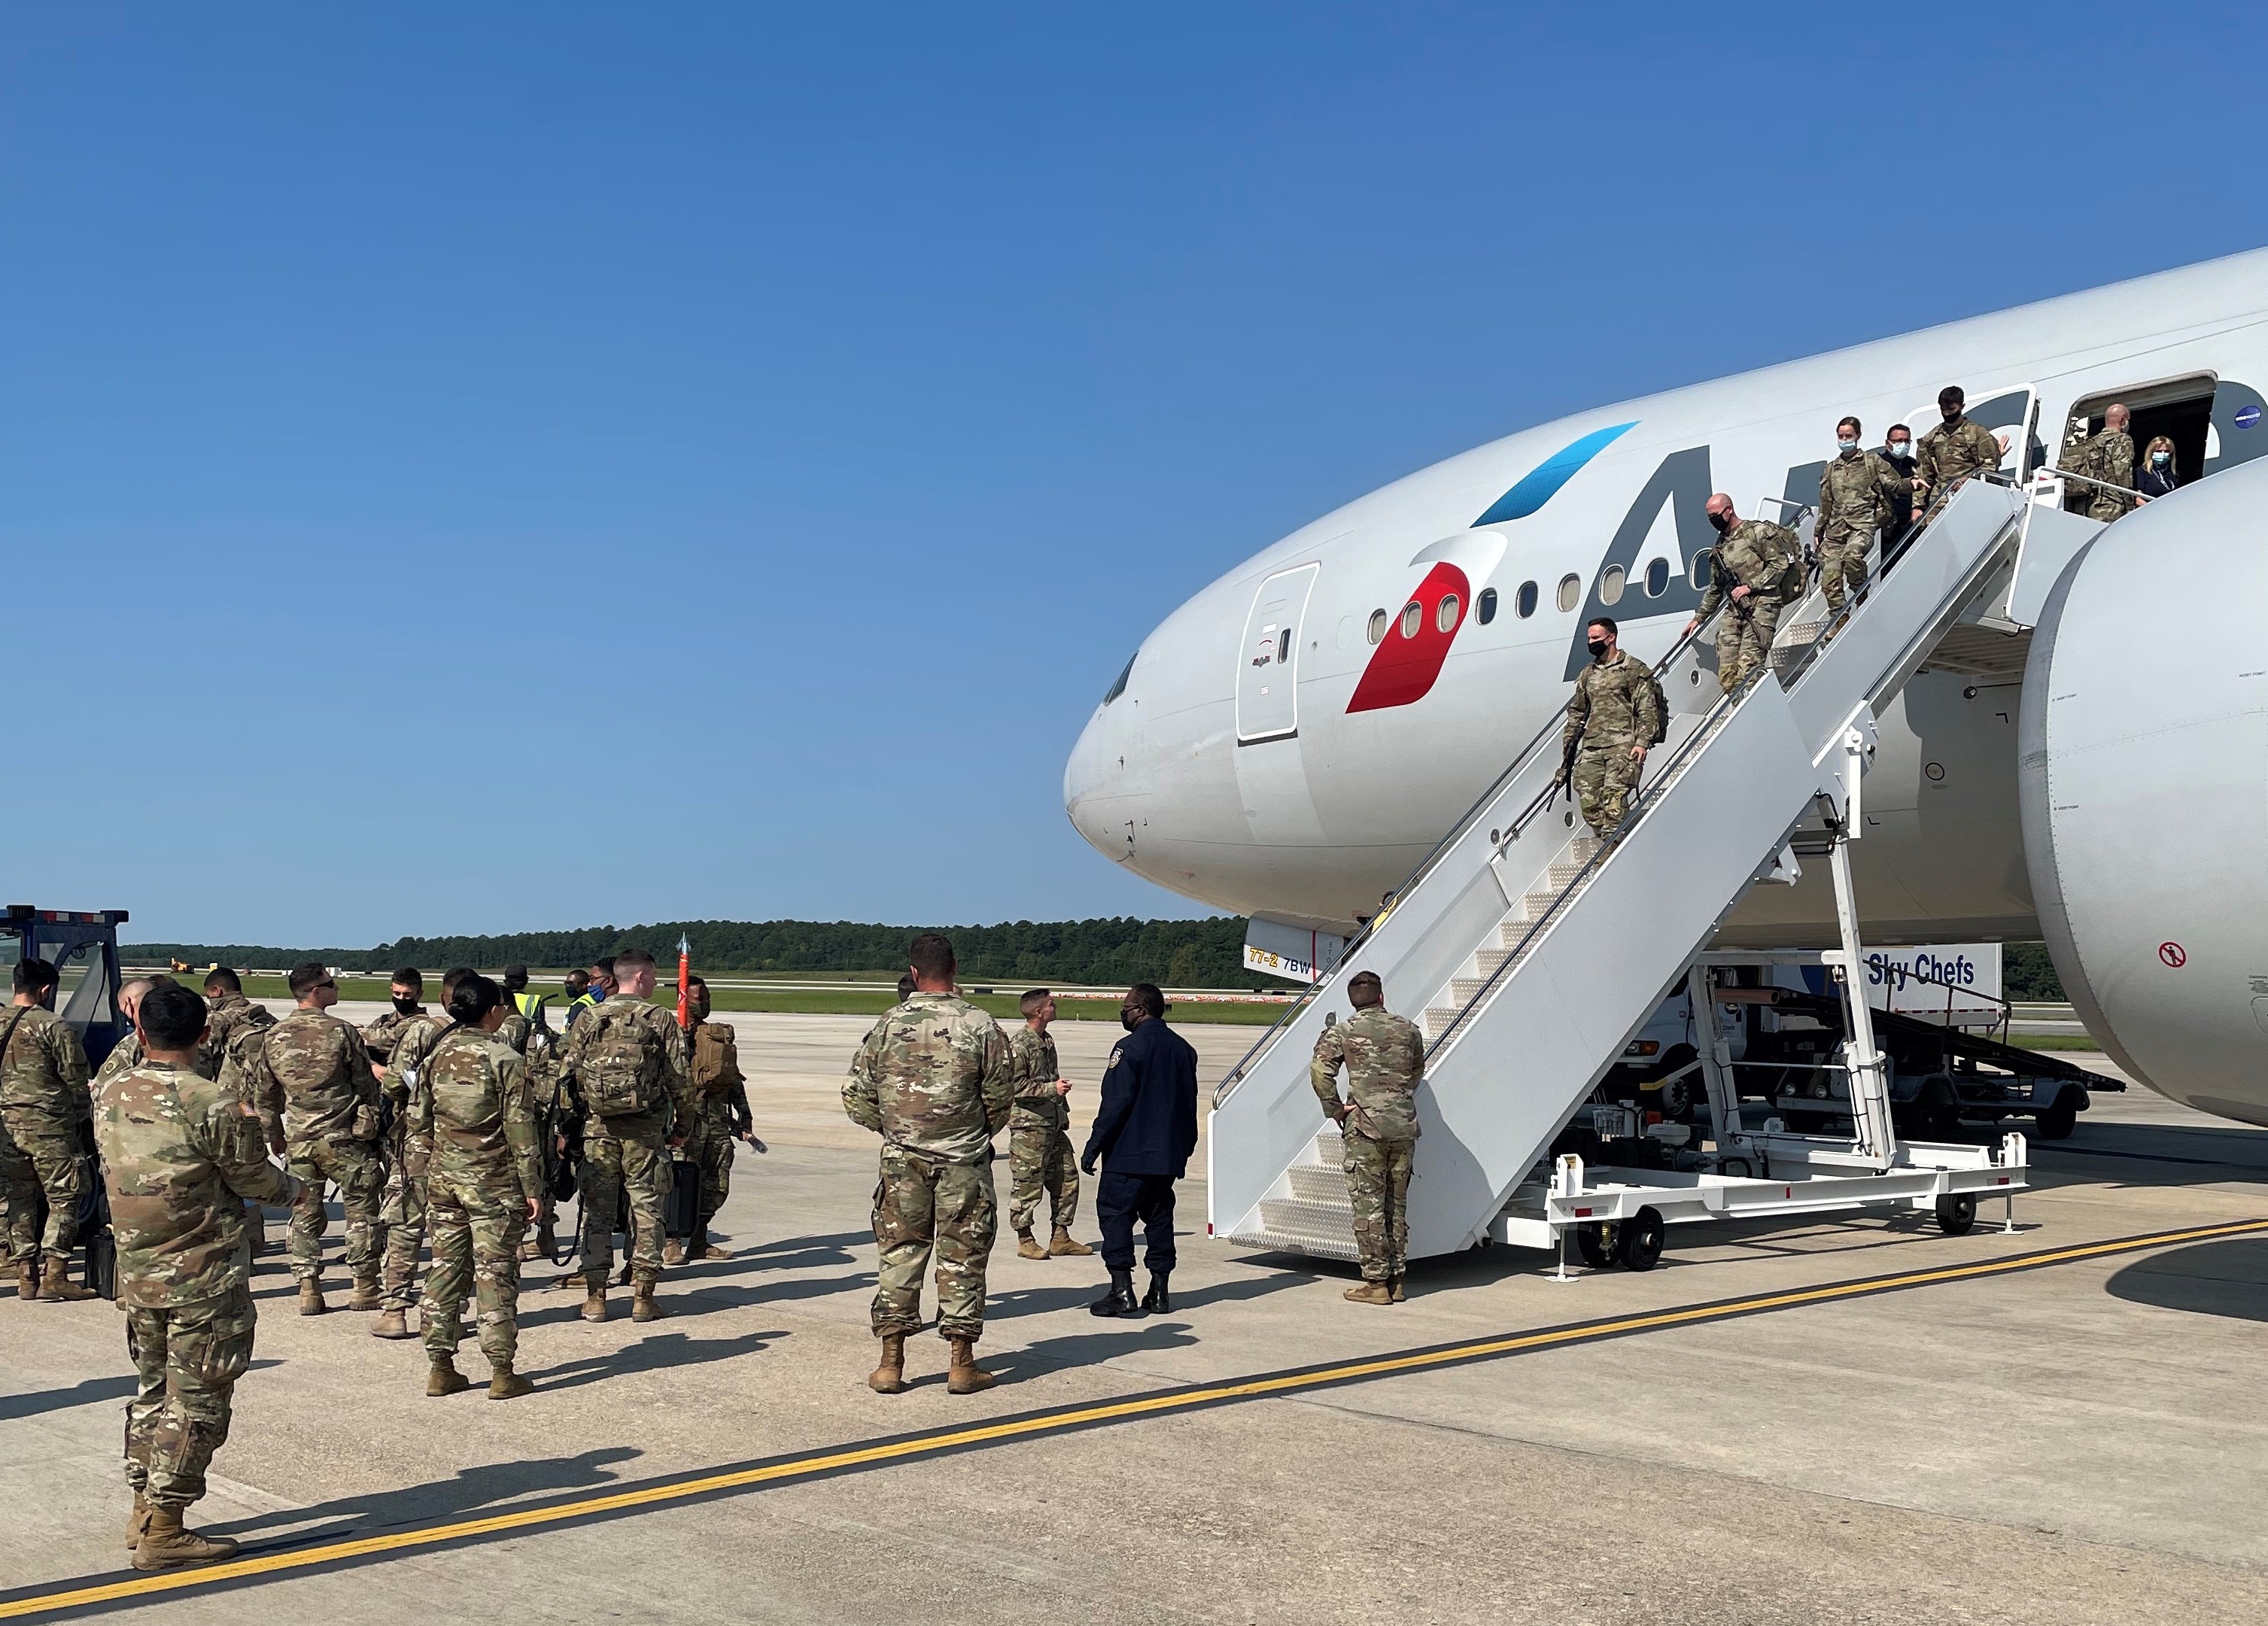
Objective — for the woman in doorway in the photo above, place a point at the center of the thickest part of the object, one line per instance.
(2156, 476)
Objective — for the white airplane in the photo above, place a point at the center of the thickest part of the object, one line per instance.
(1290, 741)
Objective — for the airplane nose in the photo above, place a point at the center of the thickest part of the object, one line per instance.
(1086, 785)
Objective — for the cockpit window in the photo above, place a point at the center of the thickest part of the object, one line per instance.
(1124, 672)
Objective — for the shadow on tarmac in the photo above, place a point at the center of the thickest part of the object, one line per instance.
(1077, 1349)
(651, 1353)
(2228, 1278)
(85, 1391)
(462, 1492)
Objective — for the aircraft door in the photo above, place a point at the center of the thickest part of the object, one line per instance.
(1267, 661)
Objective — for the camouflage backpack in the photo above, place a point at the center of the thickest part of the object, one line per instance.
(619, 1068)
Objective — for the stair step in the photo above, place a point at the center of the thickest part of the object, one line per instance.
(1324, 1186)
(1437, 1021)
(1488, 960)
(1465, 989)
(1559, 877)
(1292, 1217)
(1298, 1242)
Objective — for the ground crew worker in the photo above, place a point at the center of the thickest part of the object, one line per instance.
(720, 1115)
(1040, 1155)
(580, 996)
(525, 1000)
(127, 1053)
(1145, 1126)
(1950, 454)
(1859, 494)
(481, 1187)
(1764, 562)
(410, 1148)
(2107, 455)
(1897, 450)
(1617, 715)
(44, 1104)
(934, 1079)
(312, 1083)
(182, 1158)
(625, 1060)
(1385, 1057)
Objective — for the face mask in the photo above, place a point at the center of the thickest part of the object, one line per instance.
(1902, 450)
(2162, 458)
(1846, 447)
(1130, 1016)
(700, 1009)
(1598, 649)
(1723, 523)
(1952, 414)
(408, 1007)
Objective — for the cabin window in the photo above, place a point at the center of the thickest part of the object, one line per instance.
(1284, 646)
(1446, 612)
(1523, 605)
(1124, 672)
(1610, 585)
(1487, 606)
(1377, 631)
(1571, 589)
(1699, 574)
(1657, 579)
(1412, 614)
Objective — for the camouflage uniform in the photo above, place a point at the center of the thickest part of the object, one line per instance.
(1615, 707)
(1759, 555)
(311, 1080)
(408, 1151)
(1950, 454)
(43, 1102)
(934, 1079)
(1859, 495)
(473, 1109)
(124, 1056)
(181, 1157)
(231, 1027)
(626, 1152)
(1385, 1057)
(720, 1111)
(2108, 455)
(1041, 1157)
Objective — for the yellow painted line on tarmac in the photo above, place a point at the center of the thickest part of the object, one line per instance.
(1194, 1397)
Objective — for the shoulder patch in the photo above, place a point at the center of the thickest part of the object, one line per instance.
(1115, 1050)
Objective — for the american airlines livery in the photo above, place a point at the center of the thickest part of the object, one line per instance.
(1295, 739)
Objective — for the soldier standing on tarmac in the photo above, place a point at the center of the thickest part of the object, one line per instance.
(1385, 1057)
(1759, 558)
(236, 1025)
(312, 1082)
(720, 1115)
(625, 1062)
(482, 1186)
(43, 1102)
(1040, 1155)
(1616, 715)
(935, 1081)
(182, 1158)
(404, 1204)
(1859, 494)
(127, 1053)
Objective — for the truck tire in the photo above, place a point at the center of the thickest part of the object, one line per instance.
(1956, 1211)
(1638, 1239)
(2062, 1115)
(1591, 1244)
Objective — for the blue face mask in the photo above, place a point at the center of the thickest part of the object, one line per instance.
(1847, 445)
(2162, 458)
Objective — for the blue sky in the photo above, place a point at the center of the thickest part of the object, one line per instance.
(481, 468)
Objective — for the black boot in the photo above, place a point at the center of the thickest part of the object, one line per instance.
(1120, 1299)
(1158, 1301)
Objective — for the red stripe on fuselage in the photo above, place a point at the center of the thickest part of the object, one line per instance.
(1404, 669)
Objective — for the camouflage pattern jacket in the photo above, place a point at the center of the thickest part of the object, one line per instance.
(380, 1037)
(674, 1085)
(311, 1080)
(718, 1084)
(234, 1025)
(181, 1155)
(1860, 493)
(124, 1056)
(933, 1077)
(1955, 451)
(1038, 1102)
(43, 1068)
(403, 1085)
(474, 1108)
(1385, 1057)
(1757, 554)
(1615, 705)
(2108, 456)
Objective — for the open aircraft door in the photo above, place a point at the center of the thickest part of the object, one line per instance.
(1267, 661)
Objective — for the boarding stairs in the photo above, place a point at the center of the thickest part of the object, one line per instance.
(1534, 952)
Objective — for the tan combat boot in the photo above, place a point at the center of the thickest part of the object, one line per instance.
(673, 1252)
(136, 1521)
(443, 1378)
(165, 1545)
(393, 1324)
(966, 1377)
(1063, 1243)
(643, 1307)
(56, 1284)
(1370, 1292)
(366, 1296)
(1027, 1248)
(505, 1384)
(311, 1296)
(889, 1378)
(573, 1279)
(27, 1279)
(1394, 1286)
(711, 1250)
(594, 1303)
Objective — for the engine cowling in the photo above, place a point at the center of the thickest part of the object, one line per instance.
(2143, 736)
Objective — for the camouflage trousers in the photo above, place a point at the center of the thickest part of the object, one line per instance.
(709, 1147)
(1843, 564)
(1378, 1190)
(1744, 637)
(1040, 1159)
(403, 1212)
(924, 1205)
(477, 1227)
(1604, 778)
(353, 1165)
(187, 1362)
(624, 1156)
(40, 1153)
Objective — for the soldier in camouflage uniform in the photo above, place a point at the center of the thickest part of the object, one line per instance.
(235, 1021)
(1764, 563)
(1041, 1157)
(398, 1041)
(720, 1108)
(1952, 452)
(935, 1081)
(126, 1054)
(1616, 714)
(1385, 1057)
(312, 1083)
(182, 1157)
(1859, 494)
(482, 1186)
(624, 1060)
(2107, 455)
(44, 1105)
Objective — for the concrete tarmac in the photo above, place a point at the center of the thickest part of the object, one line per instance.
(2078, 1443)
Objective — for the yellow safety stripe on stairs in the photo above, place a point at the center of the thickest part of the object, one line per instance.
(1026, 1425)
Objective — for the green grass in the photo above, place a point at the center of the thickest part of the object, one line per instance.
(2054, 1041)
